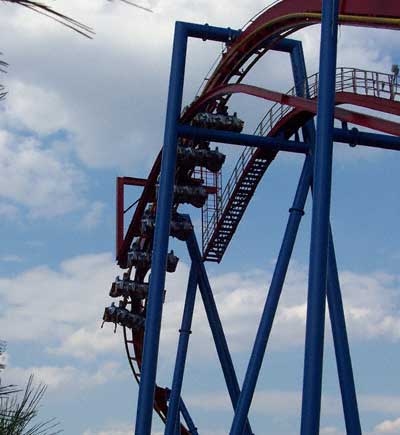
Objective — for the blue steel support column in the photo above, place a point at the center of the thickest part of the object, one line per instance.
(175, 395)
(188, 419)
(314, 345)
(345, 371)
(271, 304)
(161, 236)
(215, 325)
(342, 350)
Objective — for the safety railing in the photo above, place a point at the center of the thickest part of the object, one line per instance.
(352, 80)
(355, 81)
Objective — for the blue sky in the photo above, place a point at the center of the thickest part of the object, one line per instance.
(78, 114)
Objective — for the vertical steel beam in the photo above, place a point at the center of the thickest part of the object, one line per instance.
(338, 322)
(271, 304)
(175, 395)
(342, 350)
(161, 236)
(119, 215)
(314, 344)
(215, 325)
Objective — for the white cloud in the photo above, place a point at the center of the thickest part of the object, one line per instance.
(265, 402)
(65, 307)
(116, 430)
(108, 95)
(369, 301)
(93, 215)
(86, 343)
(66, 377)
(36, 177)
(121, 430)
(11, 258)
(34, 108)
(384, 404)
(288, 403)
(389, 426)
(8, 211)
(48, 305)
(329, 430)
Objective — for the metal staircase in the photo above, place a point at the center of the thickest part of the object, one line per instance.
(218, 228)
(237, 194)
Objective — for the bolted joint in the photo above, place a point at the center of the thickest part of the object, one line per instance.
(185, 331)
(296, 210)
(355, 135)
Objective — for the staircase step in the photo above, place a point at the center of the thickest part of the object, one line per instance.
(238, 202)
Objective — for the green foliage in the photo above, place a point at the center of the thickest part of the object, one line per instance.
(18, 415)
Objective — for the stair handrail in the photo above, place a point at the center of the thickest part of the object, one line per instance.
(364, 82)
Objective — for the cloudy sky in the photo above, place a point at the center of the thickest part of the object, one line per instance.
(81, 112)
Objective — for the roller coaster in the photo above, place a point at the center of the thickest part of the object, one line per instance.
(188, 171)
